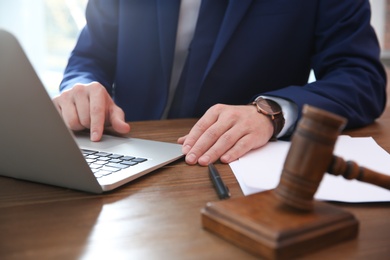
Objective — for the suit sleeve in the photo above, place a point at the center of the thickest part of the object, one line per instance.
(94, 56)
(351, 80)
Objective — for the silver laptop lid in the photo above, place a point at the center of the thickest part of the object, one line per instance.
(32, 132)
(35, 143)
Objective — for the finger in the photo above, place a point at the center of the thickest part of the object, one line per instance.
(71, 119)
(182, 139)
(81, 100)
(68, 112)
(203, 124)
(97, 107)
(57, 105)
(241, 147)
(226, 141)
(207, 142)
(117, 120)
(253, 138)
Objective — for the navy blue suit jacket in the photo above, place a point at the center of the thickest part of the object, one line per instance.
(261, 47)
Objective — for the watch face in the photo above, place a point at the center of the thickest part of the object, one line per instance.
(268, 107)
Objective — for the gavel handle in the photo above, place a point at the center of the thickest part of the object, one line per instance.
(350, 170)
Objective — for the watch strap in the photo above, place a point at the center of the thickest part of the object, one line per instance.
(278, 123)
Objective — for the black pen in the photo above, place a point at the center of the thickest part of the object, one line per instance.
(220, 187)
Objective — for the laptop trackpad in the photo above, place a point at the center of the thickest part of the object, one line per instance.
(130, 146)
(107, 142)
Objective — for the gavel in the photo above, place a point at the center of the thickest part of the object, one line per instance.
(287, 222)
(311, 156)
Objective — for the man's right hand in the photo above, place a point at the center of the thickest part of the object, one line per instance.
(89, 106)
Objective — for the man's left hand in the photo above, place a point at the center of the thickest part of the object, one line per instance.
(226, 132)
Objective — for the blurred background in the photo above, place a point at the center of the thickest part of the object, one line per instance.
(48, 29)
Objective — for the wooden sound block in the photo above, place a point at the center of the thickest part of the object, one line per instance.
(262, 225)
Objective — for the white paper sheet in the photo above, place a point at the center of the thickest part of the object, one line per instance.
(260, 170)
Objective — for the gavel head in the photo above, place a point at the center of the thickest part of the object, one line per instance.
(309, 157)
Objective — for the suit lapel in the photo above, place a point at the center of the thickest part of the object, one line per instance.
(236, 9)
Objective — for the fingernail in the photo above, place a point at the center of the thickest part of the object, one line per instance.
(226, 158)
(191, 158)
(204, 160)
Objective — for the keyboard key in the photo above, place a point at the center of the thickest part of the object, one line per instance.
(91, 156)
(86, 151)
(129, 163)
(101, 162)
(115, 156)
(117, 165)
(110, 169)
(115, 160)
(89, 160)
(127, 158)
(102, 173)
(103, 154)
(95, 166)
(103, 158)
(139, 160)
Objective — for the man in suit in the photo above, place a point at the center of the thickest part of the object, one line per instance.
(210, 59)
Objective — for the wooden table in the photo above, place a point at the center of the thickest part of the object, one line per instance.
(157, 216)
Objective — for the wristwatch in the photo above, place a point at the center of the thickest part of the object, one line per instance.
(273, 110)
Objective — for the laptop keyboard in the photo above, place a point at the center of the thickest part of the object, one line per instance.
(103, 164)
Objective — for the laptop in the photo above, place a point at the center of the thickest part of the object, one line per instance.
(36, 145)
